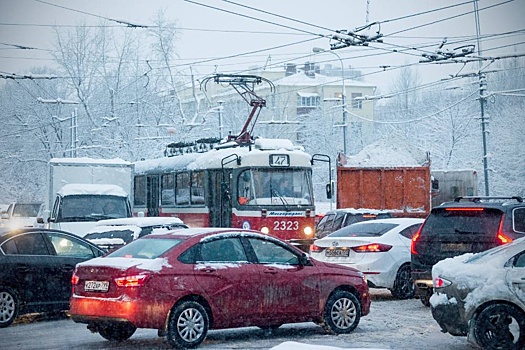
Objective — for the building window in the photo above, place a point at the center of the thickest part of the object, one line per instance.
(308, 99)
(357, 104)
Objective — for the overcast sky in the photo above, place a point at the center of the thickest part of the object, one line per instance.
(277, 31)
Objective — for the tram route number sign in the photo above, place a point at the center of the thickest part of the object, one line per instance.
(279, 160)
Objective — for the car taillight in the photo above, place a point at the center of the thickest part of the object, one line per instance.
(464, 209)
(440, 282)
(74, 279)
(502, 238)
(372, 248)
(131, 281)
(414, 240)
(315, 249)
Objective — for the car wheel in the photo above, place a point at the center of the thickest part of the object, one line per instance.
(9, 307)
(188, 325)
(116, 331)
(404, 287)
(341, 313)
(425, 296)
(500, 326)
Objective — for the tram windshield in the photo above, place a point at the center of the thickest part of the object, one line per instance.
(275, 187)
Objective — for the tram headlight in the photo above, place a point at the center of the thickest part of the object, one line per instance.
(265, 230)
(308, 231)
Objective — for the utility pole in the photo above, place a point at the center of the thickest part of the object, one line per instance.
(74, 138)
(343, 95)
(482, 99)
(73, 129)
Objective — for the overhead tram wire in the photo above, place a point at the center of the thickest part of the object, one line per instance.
(448, 18)
(246, 53)
(205, 61)
(256, 19)
(128, 24)
(277, 15)
(427, 12)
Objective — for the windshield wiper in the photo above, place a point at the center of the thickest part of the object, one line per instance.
(283, 200)
(77, 218)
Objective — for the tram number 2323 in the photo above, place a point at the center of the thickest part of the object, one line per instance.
(283, 225)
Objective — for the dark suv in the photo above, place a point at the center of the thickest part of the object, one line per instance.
(466, 225)
(333, 220)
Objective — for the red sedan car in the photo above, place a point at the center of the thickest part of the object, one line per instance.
(185, 282)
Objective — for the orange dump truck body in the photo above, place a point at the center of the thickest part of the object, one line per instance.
(405, 191)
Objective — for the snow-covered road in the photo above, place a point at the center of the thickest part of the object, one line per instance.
(391, 324)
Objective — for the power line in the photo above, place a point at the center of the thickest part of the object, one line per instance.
(255, 18)
(126, 23)
(447, 18)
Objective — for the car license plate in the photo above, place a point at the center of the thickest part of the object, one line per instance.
(337, 252)
(456, 247)
(96, 286)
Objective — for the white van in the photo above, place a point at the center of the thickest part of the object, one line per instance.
(21, 214)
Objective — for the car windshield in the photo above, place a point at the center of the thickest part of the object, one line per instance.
(26, 210)
(275, 186)
(145, 248)
(372, 229)
(93, 207)
(462, 221)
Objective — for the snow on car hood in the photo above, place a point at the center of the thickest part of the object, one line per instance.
(125, 263)
(483, 274)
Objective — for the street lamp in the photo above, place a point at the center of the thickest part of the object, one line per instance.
(343, 97)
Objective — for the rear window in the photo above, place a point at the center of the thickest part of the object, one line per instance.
(462, 221)
(353, 218)
(145, 248)
(368, 230)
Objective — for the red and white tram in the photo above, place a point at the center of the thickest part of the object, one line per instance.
(233, 185)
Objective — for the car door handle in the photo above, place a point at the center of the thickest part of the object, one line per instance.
(22, 268)
(272, 271)
(209, 269)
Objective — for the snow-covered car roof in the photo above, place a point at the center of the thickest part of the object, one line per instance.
(359, 211)
(141, 221)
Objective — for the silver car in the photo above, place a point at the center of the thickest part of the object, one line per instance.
(482, 296)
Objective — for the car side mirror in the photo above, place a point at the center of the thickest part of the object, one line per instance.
(45, 216)
(329, 191)
(304, 259)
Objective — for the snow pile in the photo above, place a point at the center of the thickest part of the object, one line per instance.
(387, 153)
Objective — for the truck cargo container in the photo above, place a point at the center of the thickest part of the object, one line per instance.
(403, 191)
(82, 191)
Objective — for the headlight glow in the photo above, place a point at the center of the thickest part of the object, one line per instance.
(308, 231)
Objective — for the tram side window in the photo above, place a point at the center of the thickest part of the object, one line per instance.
(167, 196)
(183, 189)
(197, 187)
(139, 191)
